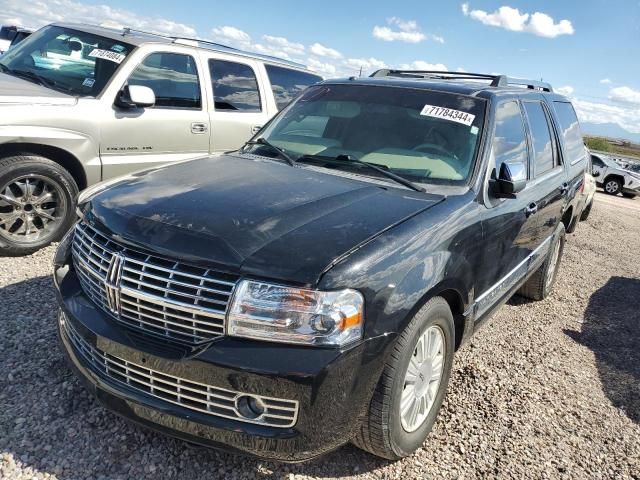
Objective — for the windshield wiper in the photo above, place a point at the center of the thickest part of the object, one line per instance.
(397, 178)
(266, 143)
(33, 76)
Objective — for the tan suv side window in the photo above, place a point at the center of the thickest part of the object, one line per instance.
(235, 87)
(173, 77)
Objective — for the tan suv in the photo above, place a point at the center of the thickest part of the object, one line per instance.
(80, 104)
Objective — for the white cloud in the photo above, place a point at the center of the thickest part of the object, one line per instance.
(285, 45)
(406, 31)
(422, 65)
(599, 113)
(510, 18)
(232, 35)
(38, 13)
(367, 64)
(566, 90)
(605, 81)
(322, 51)
(327, 70)
(625, 95)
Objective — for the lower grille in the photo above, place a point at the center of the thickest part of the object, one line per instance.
(188, 394)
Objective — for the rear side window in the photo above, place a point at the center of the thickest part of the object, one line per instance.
(571, 135)
(173, 77)
(543, 147)
(509, 142)
(596, 161)
(286, 84)
(235, 87)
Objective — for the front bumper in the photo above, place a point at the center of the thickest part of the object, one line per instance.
(632, 191)
(332, 388)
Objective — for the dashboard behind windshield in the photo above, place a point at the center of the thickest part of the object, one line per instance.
(71, 61)
(422, 135)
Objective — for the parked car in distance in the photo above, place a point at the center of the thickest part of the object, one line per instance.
(311, 288)
(81, 104)
(614, 179)
(587, 192)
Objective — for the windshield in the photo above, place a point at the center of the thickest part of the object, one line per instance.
(71, 61)
(424, 136)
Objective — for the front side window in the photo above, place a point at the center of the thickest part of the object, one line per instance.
(543, 147)
(287, 84)
(571, 134)
(173, 77)
(509, 143)
(235, 87)
(67, 60)
(596, 161)
(422, 135)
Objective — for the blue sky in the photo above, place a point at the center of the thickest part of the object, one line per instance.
(587, 49)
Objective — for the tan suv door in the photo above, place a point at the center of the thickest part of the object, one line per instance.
(240, 101)
(175, 128)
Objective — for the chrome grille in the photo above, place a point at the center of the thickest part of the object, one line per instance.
(149, 293)
(179, 391)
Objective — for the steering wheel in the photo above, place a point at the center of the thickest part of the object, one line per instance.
(432, 147)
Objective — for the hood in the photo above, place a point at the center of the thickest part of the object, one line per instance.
(256, 217)
(14, 90)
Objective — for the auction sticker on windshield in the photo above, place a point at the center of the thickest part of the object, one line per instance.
(107, 55)
(448, 114)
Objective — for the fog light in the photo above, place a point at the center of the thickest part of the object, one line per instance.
(249, 407)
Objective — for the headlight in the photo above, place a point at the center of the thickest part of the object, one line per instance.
(277, 313)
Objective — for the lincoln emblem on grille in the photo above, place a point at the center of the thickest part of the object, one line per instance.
(112, 282)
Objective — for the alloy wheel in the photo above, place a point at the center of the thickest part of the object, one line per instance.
(611, 186)
(32, 208)
(422, 378)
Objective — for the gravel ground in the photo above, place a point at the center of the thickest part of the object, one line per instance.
(546, 390)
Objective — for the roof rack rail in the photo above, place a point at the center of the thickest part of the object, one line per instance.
(496, 80)
(219, 47)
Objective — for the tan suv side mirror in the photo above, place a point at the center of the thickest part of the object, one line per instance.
(135, 96)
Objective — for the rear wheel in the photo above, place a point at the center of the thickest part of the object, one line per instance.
(412, 386)
(540, 284)
(36, 203)
(612, 186)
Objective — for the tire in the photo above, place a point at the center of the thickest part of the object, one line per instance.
(540, 284)
(382, 431)
(586, 212)
(612, 186)
(37, 203)
(628, 195)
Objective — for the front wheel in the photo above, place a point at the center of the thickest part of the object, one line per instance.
(36, 203)
(612, 186)
(412, 386)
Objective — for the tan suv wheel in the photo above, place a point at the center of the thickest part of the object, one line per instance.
(36, 203)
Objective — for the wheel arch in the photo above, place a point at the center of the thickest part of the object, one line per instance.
(62, 157)
(617, 176)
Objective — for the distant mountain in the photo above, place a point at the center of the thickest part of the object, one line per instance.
(611, 130)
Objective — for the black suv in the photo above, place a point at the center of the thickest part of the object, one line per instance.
(311, 288)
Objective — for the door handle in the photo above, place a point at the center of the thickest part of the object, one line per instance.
(256, 128)
(564, 188)
(531, 209)
(199, 128)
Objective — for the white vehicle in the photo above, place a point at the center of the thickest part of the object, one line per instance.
(613, 178)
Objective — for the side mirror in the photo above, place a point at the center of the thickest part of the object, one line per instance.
(511, 180)
(136, 96)
(595, 173)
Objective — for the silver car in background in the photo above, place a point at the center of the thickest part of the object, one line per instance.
(80, 104)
